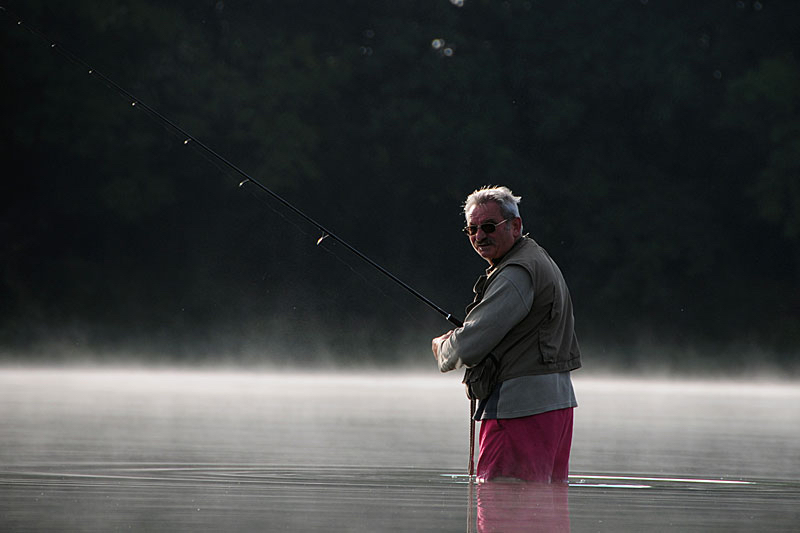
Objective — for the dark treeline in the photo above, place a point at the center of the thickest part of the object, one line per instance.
(656, 146)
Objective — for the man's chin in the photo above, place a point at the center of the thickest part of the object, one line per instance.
(487, 253)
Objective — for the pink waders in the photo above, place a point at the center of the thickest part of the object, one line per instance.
(532, 448)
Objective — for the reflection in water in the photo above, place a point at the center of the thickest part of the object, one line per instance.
(511, 507)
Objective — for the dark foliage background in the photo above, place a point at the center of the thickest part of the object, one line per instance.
(656, 146)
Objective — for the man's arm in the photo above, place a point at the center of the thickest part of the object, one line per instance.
(507, 301)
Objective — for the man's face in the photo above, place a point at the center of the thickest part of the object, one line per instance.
(493, 246)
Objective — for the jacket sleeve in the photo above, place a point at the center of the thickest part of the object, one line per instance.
(506, 302)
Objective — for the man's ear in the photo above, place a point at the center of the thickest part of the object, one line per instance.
(516, 225)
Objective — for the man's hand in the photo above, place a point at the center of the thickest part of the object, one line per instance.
(437, 343)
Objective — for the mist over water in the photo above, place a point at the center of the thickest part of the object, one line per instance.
(178, 450)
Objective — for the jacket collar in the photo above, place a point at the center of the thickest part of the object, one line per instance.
(509, 253)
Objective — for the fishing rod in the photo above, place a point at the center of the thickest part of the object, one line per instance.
(191, 139)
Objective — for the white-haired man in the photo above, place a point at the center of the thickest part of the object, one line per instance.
(522, 318)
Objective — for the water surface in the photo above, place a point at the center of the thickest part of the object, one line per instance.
(163, 450)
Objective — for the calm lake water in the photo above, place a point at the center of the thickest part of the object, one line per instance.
(178, 451)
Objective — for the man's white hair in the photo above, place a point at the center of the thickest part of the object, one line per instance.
(500, 195)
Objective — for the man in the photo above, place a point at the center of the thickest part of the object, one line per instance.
(522, 315)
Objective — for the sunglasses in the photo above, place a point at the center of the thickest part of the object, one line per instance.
(486, 227)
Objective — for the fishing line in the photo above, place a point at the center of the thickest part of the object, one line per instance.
(189, 139)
